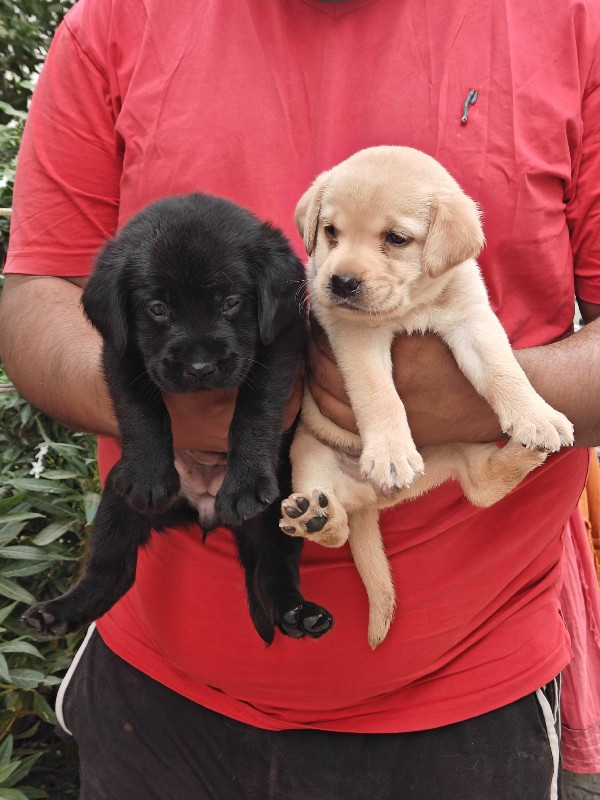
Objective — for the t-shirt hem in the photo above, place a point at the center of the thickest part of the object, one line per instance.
(588, 292)
(75, 266)
(243, 712)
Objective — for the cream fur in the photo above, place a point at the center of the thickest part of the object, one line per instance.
(430, 283)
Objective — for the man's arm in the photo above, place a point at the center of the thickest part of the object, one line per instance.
(52, 354)
(443, 407)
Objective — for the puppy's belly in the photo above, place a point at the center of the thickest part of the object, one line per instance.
(201, 476)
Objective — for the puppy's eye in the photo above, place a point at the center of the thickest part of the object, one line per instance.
(158, 311)
(231, 303)
(396, 238)
(330, 230)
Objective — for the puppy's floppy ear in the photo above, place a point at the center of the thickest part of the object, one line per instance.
(280, 283)
(104, 298)
(307, 211)
(455, 233)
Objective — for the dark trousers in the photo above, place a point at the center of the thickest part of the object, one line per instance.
(139, 740)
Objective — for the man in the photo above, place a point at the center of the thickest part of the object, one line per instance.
(174, 695)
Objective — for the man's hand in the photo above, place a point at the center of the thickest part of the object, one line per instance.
(200, 421)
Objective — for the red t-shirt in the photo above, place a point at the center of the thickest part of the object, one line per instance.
(250, 100)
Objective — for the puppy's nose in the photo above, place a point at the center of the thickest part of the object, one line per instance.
(344, 285)
(200, 369)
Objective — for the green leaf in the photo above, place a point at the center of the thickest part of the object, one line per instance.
(11, 531)
(38, 485)
(91, 501)
(59, 474)
(34, 794)
(20, 646)
(12, 794)
(6, 749)
(10, 502)
(26, 678)
(12, 112)
(4, 671)
(42, 709)
(24, 552)
(22, 569)
(11, 589)
(6, 611)
(18, 517)
(25, 414)
(51, 680)
(50, 533)
(7, 771)
(24, 770)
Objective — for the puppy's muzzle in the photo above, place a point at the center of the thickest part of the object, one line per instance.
(344, 286)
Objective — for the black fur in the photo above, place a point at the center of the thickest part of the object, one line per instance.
(195, 293)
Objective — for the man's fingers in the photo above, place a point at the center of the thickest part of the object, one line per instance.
(338, 411)
(324, 371)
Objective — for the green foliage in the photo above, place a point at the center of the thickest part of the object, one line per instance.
(26, 29)
(46, 510)
(43, 525)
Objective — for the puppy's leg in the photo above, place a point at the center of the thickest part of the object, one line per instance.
(317, 508)
(109, 571)
(374, 569)
(255, 435)
(145, 475)
(389, 457)
(482, 350)
(487, 473)
(271, 564)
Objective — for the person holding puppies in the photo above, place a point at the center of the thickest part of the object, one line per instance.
(174, 694)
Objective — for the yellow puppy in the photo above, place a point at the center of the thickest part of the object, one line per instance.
(392, 241)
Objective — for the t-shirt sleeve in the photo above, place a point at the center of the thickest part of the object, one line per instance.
(66, 198)
(583, 207)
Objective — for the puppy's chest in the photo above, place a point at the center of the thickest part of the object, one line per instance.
(421, 319)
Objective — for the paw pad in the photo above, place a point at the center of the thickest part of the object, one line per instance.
(318, 517)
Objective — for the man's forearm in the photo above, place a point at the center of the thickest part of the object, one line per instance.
(567, 375)
(443, 407)
(52, 354)
(564, 373)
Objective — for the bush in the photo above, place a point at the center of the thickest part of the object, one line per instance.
(49, 488)
(49, 492)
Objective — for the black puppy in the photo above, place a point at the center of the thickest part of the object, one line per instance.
(195, 293)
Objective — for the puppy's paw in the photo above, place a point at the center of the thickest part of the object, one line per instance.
(52, 618)
(305, 619)
(146, 488)
(242, 497)
(542, 428)
(494, 471)
(319, 518)
(391, 467)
